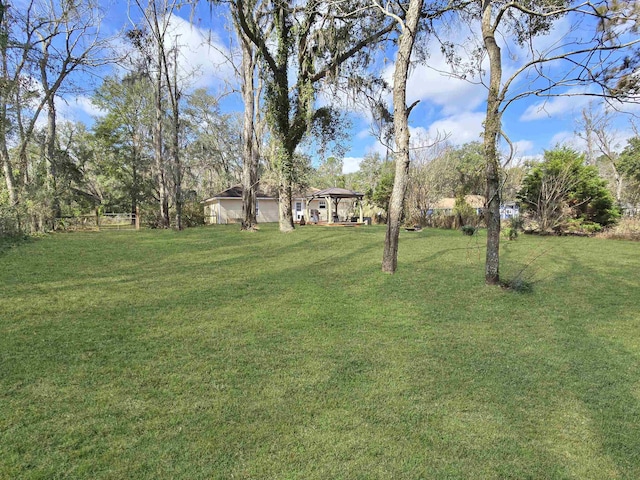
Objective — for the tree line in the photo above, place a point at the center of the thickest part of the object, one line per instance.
(161, 146)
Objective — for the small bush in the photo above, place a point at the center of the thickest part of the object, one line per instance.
(438, 220)
(513, 227)
(627, 229)
(510, 233)
(192, 214)
(518, 284)
(580, 227)
(468, 229)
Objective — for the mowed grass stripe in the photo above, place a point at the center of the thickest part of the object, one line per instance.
(213, 353)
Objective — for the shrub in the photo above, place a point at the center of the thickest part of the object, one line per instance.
(510, 233)
(512, 229)
(626, 229)
(192, 214)
(463, 212)
(518, 284)
(439, 220)
(562, 188)
(12, 222)
(577, 226)
(468, 229)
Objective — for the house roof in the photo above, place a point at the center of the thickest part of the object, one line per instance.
(336, 192)
(235, 192)
(333, 192)
(475, 201)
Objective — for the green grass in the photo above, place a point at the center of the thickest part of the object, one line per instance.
(213, 353)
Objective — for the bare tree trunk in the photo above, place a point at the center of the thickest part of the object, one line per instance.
(157, 148)
(178, 172)
(250, 151)
(175, 147)
(51, 156)
(4, 150)
(286, 215)
(283, 159)
(401, 132)
(8, 173)
(619, 182)
(491, 132)
(135, 181)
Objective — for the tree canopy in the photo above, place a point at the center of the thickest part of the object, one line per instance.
(562, 187)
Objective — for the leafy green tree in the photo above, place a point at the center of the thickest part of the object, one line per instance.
(329, 174)
(125, 131)
(630, 159)
(308, 42)
(380, 194)
(600, 51)
(562, 188)
(214, 150)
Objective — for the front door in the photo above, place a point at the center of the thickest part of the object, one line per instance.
(297, 211)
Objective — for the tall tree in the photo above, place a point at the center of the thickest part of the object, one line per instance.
(159, 60)
(600, 135)
(44, 43)
(213, 157)
(253, 125)
(126, 127)
(308, 43)
(408, 34)
(603, 55)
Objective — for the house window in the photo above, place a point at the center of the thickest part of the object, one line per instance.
(298, 206)
(322, 204)
(257, 208)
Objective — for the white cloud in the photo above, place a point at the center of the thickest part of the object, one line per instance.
(432, 82)
(351, 164)
(461, 128)
(77, 108)
(362, 134)
(556, 106)
(569, 139)
(451, 94)
(521, 147)
(205, 61)
(378, 148)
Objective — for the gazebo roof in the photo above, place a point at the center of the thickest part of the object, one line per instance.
(336, 192)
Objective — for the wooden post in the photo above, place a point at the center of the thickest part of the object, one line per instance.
(137, 217)
(360, 204)
(97, 219)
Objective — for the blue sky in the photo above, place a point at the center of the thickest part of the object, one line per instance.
(447, 105)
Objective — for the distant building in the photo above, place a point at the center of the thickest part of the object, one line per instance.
(314, 205)
(445, 206)
(509, 210)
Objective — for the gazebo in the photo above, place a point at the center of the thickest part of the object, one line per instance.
(333, 196)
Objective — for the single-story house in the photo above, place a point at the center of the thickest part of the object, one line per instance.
(226, 207)
(445, 206)
(313, 205)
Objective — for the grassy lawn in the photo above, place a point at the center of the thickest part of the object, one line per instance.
(212, 353)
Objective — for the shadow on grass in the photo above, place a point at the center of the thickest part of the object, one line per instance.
(14, 241)
(300, 359)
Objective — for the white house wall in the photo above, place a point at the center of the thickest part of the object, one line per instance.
(229, 210)
(267, 211)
